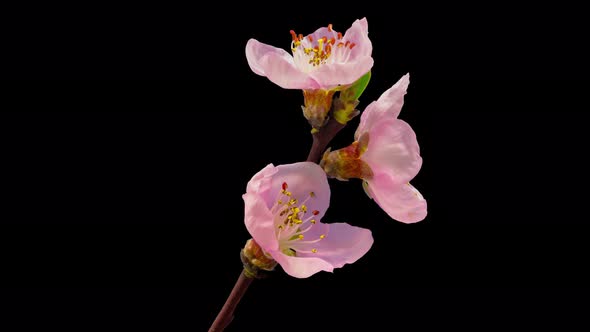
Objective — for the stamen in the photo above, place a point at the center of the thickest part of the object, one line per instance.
(316, 212)
(285, 186)
(314, 250)
(339, 35)
(293, 35)
(330, 27)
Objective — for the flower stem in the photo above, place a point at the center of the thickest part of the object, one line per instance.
(322, 138)
(226, 314)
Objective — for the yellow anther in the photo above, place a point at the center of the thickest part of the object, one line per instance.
(303, 208)
(280, 227)
(314, 250)
(322, 236)
(312, 194)
(292, 201)
(279, 202)
(295, 210)
(312, 221)
(300, 236)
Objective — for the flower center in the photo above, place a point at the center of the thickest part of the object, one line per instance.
(292, 220)
(310, 53)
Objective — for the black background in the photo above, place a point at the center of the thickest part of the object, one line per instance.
(124, 165)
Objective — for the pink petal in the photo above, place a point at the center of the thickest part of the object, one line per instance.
(334, 74)
(260, 184)
(323, 32)
(256, 50)
(259, 221)
(301, 267)
(302, 179)
(393, 149)
(359, 34)
(277, 65)
(401, 202)
(343, 244)
(387, 106)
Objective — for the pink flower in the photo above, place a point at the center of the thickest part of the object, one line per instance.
(321, 60)
(283, 208)
(386, 155)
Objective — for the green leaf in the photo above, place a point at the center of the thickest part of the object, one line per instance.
(358, 87)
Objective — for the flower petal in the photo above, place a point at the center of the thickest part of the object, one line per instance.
(358, 33)
(393, 149)
(260, 184)
(277, 65)
(343, 244)
(388, 105)
(331, 75)
(256, 50)
(401, 202)
(323, 32)
(302, 179)
(301, 267)
(259, 221)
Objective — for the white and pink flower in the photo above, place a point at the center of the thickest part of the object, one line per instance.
(283, 209)
(386, 155)
(321, 63)
(324, 59)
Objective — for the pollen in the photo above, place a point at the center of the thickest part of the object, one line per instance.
(300, 237)
(312, 221)
(314, 250)
(323, 236)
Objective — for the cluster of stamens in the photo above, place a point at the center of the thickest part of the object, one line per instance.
(292, 221)
(317, 52)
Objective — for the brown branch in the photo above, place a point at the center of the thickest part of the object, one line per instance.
(322, 138)
(226, 314)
